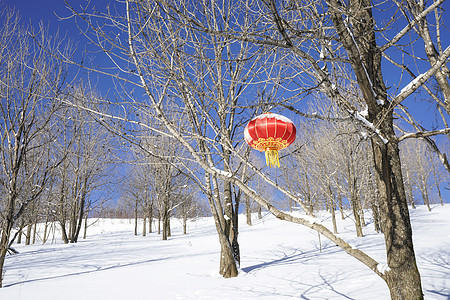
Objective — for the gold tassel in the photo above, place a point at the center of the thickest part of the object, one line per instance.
(272, 159)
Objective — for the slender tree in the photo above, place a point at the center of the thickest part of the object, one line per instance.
(30, 81)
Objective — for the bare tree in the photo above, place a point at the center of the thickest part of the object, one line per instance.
(87, 148)
(209, 58)
(30, 81)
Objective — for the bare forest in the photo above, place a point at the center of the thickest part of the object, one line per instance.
(166, 142)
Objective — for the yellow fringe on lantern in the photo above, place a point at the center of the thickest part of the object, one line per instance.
(272, 159)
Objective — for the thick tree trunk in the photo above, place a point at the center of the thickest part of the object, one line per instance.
(228, 266)
(403, 278)
(230, 231)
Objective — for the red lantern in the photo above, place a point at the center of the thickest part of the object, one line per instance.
(270, 132)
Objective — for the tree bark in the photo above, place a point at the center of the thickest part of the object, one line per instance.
(144, 225)
(403, 278)
(248, 211)
(28, 235)
(136, 218)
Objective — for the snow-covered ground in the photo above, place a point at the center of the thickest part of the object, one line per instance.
(280, 260)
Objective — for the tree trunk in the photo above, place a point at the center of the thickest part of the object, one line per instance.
(228, 266)
(150, 219)
(403, 278)
(165, 216)
(361, 212)
(333, 217)
(248, 211)
(332, 207)
(28, 235)
(62, 216)
(64, 232)
(136, 218)
(144, 225)
(44, 239)
(19, 236)
(409, 191)
(424, 190)
(358, 228)
(341, 207)
(85, 225)
(437, 181)
(34, 232)
(165, 226)
(376, 217)
(159, 225)
(5, 234)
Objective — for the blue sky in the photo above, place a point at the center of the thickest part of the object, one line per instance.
(36, 10)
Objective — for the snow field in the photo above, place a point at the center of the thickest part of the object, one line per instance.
(279, 260)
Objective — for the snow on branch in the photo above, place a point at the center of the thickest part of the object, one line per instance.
(359, 116)
(420, 80)
(410, 25)
(222, 172)
(421, 134)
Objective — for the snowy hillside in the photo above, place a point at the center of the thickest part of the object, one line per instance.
(279, 261)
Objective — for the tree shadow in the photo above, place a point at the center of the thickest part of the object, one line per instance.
(296, 257)
(97, 269)
(438, 273)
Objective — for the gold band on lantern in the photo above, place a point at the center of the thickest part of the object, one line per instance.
(265, 143)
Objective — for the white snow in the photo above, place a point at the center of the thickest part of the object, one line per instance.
(371, 126)
(409, 85)
(383, 268)
(279, 260)
(272, 115)
(365, 112)
(323, 52)
(380, 101)
(222, 172)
